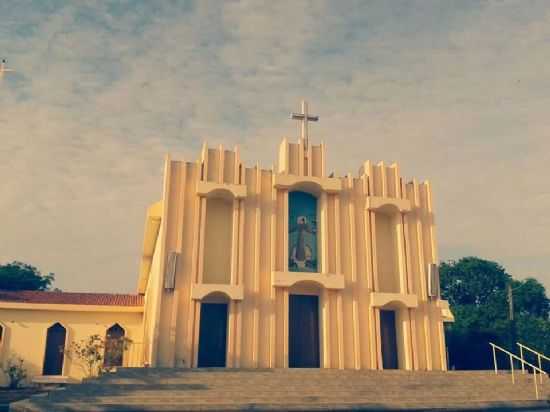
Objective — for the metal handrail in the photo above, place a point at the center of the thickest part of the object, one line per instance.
(523, 363)
(540, 356)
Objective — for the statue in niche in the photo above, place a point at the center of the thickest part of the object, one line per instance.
(302, 232)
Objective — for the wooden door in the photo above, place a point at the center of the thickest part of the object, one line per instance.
(114, 346)
(388, 338)
(55, 348)
(213, 335)
(303, 331)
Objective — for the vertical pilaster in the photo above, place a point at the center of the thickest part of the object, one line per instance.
(414, 345)
(353, 263)
(221, 166)
(324, 233)
(230, 355)
(195, 321)
(257, 269)
(340, 328)
(179, 249)
(422, 271)
(378, 364)
(273, 262)
(159, 282)
(198, 279)
(339, 307)
(285, 326)
(325, 328)
(407, 339)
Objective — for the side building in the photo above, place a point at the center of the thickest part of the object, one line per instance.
(39, 327)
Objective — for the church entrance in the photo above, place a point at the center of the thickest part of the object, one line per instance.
(213, 335)
(55, 350)
(388, 339)
(303, 331)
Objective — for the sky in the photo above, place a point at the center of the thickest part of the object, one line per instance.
(456, 92)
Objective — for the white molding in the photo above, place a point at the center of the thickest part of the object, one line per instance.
(288, 279)
(388, 205)
(223, 190)
(380, 300)
(311, 184)
(200, 290)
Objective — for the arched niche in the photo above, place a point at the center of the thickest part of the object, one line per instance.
(114, 346)
(218, 240)
(387, 234)
(56, 336)
(303, 245)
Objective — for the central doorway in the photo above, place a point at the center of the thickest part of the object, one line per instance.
(388, 339)
(303, 331)
(213, 335)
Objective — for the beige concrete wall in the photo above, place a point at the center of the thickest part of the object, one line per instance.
(152, 301)
(377, 249)
(25, 335)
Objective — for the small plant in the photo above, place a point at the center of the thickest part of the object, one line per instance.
(91, 353)
(15, 371)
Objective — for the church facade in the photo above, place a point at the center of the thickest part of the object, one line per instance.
(258, 268)
(244, 267)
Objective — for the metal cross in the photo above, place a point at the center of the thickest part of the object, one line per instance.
(304, 117)
(3, 68)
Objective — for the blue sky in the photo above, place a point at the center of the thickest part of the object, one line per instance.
(455, 91)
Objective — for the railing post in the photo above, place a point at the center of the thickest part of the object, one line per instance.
(536, 386)
(540, 367)
(495, 359)
(521, 355)
(512, 368)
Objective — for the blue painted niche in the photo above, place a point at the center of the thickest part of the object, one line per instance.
(302, 232)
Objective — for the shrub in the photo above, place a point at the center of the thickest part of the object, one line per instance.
(90, 353)
(15, 371)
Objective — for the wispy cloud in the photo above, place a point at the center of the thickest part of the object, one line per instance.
(454, 91)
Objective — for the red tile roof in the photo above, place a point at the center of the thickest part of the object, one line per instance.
(71, 298)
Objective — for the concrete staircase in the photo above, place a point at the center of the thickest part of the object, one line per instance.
(138, 389)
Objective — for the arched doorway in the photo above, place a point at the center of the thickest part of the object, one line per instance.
(55, 350)
(388, 339)
(303, 326)
(213, 331)
(114, 346)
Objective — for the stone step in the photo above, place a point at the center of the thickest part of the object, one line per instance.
(303, 389)
(341, 406)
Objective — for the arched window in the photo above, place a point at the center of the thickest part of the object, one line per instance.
(2, 337)
(114, 346)
(302, 232)
(55, 350)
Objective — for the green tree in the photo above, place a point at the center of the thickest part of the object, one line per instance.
(22, 276)
(477, 292)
